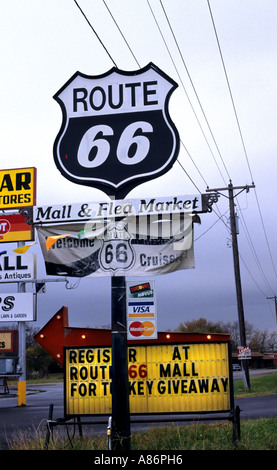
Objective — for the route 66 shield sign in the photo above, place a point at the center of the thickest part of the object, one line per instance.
(116, 130)
(117, 252)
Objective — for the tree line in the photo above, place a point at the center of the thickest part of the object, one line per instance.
(39, 363)
(258, 340)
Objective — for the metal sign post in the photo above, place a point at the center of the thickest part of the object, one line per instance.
(120, 429)
(21, 401)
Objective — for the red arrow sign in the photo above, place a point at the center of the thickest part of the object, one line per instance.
(56, 334)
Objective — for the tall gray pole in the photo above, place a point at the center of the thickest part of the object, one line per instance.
(22, 350)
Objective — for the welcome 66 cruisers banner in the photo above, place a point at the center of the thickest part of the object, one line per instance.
(134, 245)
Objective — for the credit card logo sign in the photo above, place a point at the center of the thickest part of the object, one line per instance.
(137, 328)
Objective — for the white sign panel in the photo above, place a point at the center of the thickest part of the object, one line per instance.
(244, 352)
(17, 307)
(17, 268)
(117, 208)
(141, 310)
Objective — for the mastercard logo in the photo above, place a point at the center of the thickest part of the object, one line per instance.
(138, 328)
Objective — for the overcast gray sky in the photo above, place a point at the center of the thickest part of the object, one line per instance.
(44, 43)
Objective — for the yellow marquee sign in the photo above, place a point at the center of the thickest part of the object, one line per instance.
(17, 188)
(167, 378)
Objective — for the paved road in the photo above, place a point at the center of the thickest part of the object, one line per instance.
(34, 415)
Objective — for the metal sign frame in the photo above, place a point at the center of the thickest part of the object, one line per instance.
(104, 353)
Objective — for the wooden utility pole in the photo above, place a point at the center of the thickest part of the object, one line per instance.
(275, 301)
(240, 309)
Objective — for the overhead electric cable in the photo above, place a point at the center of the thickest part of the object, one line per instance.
(90, 25)
(126, 42)
(230, 92)
(219, 217)
(252, 277)
(194, 89)
(194, 164)
(180, 78)
(119, 29)
(188, 176)
(255, 253)
(240, 133)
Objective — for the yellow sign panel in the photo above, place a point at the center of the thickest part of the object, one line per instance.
(17, 188)
(168, 378)
(5, 341)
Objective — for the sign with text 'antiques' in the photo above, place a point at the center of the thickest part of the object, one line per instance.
(17, 188)
(17, 268)
(163, 378)
(116, 130)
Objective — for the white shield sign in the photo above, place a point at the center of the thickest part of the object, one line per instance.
(116, 130)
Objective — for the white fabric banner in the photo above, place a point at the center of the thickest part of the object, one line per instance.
(132, 246)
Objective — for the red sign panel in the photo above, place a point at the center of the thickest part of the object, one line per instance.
(13, 228)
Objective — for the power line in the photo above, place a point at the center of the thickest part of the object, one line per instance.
(180, 78)
(186, 68)
(230, 92)
(126, 42)
(120, 31)
(240, 133)
(220, 217)
(195, 166)
(254, 253)
(194, 89)
(90, 25)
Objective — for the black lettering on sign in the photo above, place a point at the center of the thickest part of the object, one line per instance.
(83, 356)
(186, 369)
(177, 353)
(90, 374)
(83, 389)
(114, 96)
(22, 181)
(183, 386)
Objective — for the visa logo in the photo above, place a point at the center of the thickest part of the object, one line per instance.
(141, 309)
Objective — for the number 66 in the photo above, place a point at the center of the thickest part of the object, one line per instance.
(101, 147)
